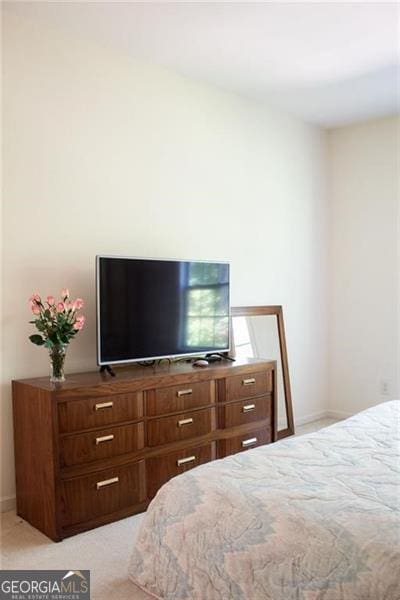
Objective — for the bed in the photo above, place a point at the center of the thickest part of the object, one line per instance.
(314, 517)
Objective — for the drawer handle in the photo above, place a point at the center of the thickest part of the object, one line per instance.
(104, 438)
(248, 407)
(249, 442)
(187, 392)
(102, 405)
(106, 482)
(184, 461)
(249, 381)
(185, 422)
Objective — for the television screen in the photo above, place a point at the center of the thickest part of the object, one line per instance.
(152, 308)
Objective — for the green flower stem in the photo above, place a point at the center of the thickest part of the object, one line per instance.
(57, 359)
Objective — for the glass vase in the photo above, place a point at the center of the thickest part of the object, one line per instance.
(57, 359)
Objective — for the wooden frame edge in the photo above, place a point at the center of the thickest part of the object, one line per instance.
(253, 311)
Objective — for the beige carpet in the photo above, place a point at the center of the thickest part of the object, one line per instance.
(105, 551)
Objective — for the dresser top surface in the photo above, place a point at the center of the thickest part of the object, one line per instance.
(160, 374)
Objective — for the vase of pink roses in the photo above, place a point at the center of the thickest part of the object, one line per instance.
(58, 322)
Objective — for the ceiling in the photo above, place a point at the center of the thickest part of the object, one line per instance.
(329, 63)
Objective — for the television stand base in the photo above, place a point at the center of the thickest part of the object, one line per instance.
(221, 356)
(108, 369)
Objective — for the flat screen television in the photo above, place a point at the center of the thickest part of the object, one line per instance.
(151, 308)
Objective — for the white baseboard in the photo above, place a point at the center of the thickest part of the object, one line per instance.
(338, 414)
(311, 417)
(7, 503)
(323, 414)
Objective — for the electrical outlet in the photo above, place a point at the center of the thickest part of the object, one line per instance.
(384, 387)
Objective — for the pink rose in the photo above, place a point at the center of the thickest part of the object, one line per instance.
(79, 323)
(78, 304)
(35, 308)
(34, 298)
(50, 300)
(65, 293)
(60, 306)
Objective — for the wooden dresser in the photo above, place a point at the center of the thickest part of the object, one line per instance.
(96, 449)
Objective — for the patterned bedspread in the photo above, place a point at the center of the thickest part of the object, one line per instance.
(314, 517)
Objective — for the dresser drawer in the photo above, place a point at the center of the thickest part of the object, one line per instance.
(102, 493)
(180, 427)
(247, 386)
(75, 415)
(179, 397)
(86, 447)
(240, 443)
(245, 411)
(161, 469)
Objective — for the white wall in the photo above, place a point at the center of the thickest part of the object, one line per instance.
(106, 155)
(365, 204)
